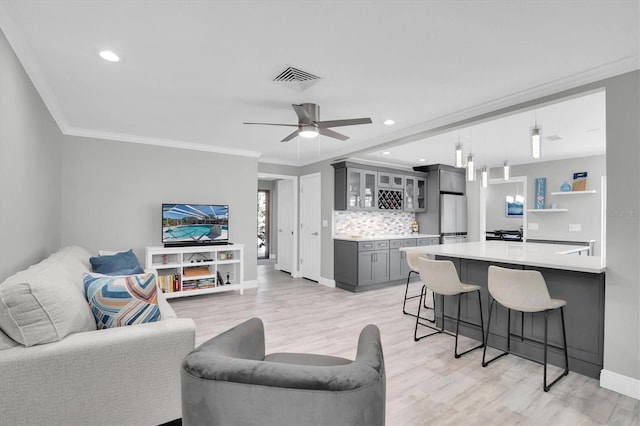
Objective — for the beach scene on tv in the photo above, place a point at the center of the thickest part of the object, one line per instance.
(192, 223)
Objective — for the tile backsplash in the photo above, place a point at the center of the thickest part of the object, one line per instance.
(369, 224)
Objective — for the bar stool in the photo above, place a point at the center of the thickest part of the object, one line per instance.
(441, 277)
(524, 291)
(412, 262)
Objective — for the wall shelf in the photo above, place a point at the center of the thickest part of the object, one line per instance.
(589, 191)
(547, 210)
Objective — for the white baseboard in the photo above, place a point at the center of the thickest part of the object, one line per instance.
(327, 282)
(618, 383)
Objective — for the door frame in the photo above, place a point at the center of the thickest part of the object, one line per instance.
(295, 220)
(483, 204)
(267, 224)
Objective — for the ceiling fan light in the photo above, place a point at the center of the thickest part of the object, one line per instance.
(108, 55)
(536, 142)
(308, 132)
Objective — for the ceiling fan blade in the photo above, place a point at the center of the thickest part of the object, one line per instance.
(338, 123)
(332, 134)
(291, 136)
(301, 112)
(274, 124)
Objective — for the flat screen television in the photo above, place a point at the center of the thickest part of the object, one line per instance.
(194, 224)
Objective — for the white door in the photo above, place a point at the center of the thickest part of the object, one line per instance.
(285, 226)
(310, 226)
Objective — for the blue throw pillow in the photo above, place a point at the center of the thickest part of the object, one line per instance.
(121, 301)
(123, 263)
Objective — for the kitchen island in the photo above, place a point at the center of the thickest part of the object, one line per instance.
(578, 279)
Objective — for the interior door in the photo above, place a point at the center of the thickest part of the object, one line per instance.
(285, 226)
(310, 226)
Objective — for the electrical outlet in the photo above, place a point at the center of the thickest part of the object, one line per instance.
(575, 227)
(532, 226)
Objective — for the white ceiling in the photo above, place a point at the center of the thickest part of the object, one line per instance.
(193, 71)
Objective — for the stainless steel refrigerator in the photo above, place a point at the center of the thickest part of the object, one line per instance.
(453, 218)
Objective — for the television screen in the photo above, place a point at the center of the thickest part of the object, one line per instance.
(191, 224)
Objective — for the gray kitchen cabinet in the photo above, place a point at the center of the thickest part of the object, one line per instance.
(355, 189)
(452, 182)
(367, 187)
(398, 268)
(390, 180)
(367, 265)
(415, 194)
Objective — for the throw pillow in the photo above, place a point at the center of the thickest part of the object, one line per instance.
(122, 300)
(123, 263)
(46, 302)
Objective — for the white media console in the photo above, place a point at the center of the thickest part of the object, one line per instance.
(195, 270)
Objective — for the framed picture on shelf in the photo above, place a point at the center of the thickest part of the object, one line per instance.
(514, 206)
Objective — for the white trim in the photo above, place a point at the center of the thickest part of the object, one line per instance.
(327, 282)
(618, 383)
(168, 143)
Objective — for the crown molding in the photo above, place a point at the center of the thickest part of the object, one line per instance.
(167, 143)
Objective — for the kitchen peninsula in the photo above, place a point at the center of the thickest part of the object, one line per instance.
(578, 279)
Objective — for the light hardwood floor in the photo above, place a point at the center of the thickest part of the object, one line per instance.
(425, 383)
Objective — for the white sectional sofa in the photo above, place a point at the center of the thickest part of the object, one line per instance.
(56, 368)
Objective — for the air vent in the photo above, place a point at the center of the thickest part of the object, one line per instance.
(293, 77)
(553, 138)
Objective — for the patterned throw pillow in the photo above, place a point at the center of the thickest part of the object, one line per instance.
(117, 301)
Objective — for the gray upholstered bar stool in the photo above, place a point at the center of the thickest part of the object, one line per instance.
(412, 263)
(441, 277)
(524, 291)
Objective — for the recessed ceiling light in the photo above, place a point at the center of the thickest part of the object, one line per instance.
(108, 55)
(385, 153)
(422, 160)
(388, 122)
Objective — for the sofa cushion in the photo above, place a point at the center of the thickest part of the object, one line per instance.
(122, 263)
(45, 302)
(6, 342)
(122, 300)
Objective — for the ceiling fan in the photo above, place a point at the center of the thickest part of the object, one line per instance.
(309, 124)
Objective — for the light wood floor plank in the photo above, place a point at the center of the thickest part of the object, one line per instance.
(425, 383)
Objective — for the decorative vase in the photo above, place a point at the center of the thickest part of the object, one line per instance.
(565, 187)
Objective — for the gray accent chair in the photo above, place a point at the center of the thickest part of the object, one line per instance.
(229, 380)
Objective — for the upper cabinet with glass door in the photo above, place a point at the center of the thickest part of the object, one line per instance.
(415, 194)
(355, 188)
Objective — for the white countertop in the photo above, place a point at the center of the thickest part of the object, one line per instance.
(554, 256)
(383, 237)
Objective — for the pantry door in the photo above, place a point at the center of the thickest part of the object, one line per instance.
(310, 226)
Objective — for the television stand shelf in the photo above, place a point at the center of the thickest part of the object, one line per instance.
(195, 270)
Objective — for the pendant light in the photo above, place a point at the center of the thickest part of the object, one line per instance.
(485, 177)
(471, 168)
(505, 170)
(536, 141)
(459, 155)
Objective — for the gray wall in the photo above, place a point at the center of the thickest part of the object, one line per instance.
(583, 209)
(622, 313)
(112, 193)
(29, 170)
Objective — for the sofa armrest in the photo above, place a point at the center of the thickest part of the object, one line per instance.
(124, 375)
